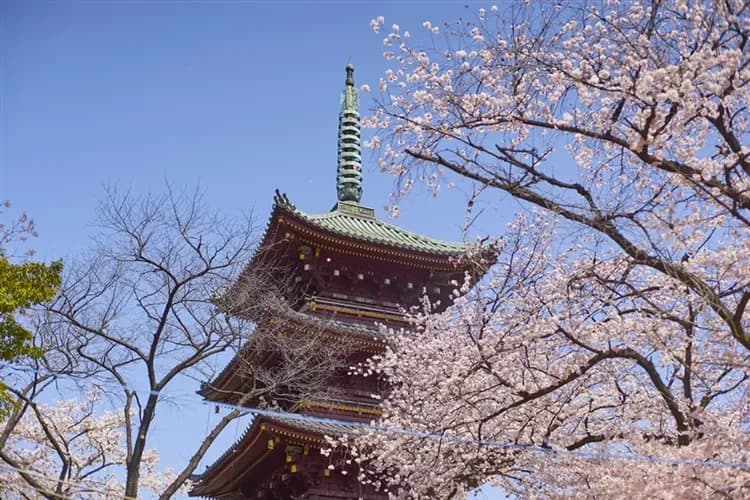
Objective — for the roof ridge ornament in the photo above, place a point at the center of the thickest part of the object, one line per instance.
(349, 169)
(281, 199)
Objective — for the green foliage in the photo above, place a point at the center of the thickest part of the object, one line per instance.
(21, 286)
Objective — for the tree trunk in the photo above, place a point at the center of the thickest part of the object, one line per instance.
(134, 461)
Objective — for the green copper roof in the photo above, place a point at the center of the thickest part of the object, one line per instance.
(349, 171)
(352, 220)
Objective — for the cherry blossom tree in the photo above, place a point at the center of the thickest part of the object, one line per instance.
(69, 449)
(608, 351)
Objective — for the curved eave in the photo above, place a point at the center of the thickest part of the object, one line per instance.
(252, 447)
(368, 337)
(210, 483)
(286, 223)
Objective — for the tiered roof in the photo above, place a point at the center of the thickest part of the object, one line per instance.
(283, 318)
(244, 454)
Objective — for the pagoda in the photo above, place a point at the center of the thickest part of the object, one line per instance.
(335, 278)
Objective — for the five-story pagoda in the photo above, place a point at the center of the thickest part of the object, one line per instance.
(337, 275)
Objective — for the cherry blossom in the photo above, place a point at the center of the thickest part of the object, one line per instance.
(71, 449)
(607, 353)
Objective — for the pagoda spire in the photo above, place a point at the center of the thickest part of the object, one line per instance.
(349, 171)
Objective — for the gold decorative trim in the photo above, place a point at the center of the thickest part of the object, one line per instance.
(347, 408)
(359, 312)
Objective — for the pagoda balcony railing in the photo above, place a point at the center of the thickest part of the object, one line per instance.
(344, 305)
(366, 401)
(365, 300)
(340, 407)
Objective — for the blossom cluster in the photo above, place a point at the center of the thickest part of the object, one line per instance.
(73, 449)
(613, 330)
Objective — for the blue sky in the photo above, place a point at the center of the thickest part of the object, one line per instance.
(237, 97)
